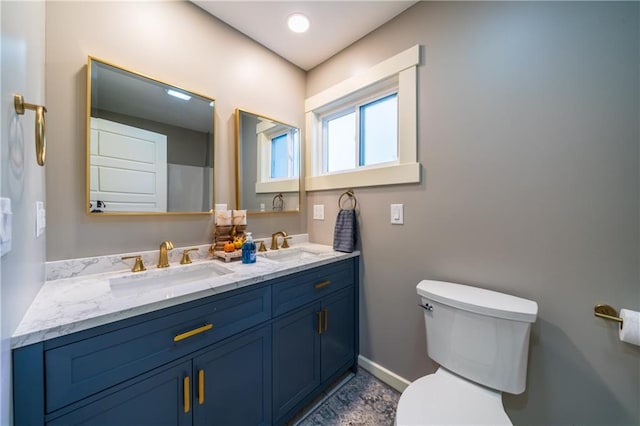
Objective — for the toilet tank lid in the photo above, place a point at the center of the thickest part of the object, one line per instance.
(479, 300)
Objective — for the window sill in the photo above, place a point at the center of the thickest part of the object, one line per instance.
(284, 185)
(386, 175)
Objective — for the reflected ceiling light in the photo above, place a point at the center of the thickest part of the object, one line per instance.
(178, 95)
(298, 23)
(211, 104)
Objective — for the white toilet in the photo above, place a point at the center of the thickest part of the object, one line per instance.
(480, 338)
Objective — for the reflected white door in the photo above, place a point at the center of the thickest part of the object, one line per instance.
(128, 167)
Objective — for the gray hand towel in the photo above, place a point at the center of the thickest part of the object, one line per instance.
(345, 235)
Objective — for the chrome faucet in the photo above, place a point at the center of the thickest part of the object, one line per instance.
(274, 239)
(163, 260)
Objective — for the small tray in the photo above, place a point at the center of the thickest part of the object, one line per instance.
(228, 256)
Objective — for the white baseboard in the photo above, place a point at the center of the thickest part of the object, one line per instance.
(387, 376)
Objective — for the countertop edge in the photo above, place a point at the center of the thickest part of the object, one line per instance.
(28, 337)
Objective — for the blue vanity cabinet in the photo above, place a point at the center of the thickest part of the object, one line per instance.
(296, 358)
(250, 356)
(316, 343)
(230, 384)
(155, 400)
(233, 382)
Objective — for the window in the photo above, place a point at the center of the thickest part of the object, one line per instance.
(278, 168)
(361, 136)
(363, 131)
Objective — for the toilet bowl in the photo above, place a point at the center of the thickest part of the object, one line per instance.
(480, 339)
(444, 398)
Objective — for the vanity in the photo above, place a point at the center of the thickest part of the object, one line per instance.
(234, 345)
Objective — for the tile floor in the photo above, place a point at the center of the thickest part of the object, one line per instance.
(357, 400)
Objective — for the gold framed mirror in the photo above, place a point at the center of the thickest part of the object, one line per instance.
(267, 164)
(150, 145)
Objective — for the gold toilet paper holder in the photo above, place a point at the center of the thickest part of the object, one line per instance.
(607, 312)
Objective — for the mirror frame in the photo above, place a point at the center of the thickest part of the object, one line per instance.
(88, 145)
(300, 174)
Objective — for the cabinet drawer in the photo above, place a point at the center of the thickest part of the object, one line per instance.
(305, 287)
(83, 368)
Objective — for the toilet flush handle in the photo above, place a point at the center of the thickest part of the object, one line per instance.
(427, 307)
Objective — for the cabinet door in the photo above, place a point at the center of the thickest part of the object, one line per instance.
(296, 358)
(232, 383)
(338, 322)
(156, 400)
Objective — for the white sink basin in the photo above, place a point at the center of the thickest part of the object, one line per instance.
(173, 276)
(291, 255)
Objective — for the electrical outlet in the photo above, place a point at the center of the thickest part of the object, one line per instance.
(318, 211)
(41, 218)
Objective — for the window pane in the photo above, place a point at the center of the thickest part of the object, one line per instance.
(379, 131)
(295, 155)
(341, 143)
(279, 163)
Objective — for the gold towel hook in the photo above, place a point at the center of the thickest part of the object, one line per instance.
(351, 195)
(41, 138)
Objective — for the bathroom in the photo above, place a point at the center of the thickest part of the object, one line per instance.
(528, 141)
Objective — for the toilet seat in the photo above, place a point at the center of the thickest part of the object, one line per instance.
(444, 398)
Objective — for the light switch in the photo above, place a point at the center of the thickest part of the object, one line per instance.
(5, 226)
(41, 218)
(397, 214)
(318, 211)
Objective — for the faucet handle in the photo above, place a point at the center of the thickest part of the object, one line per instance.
(185, 256)
(262, 246)
(138, 266)
(285, 244)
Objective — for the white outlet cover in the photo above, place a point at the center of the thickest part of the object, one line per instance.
(5, 226)
(41, 218)
(318, 211)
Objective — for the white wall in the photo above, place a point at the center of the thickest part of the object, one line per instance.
(22, 180)
(529, 142)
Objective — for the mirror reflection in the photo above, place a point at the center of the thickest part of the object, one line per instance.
(149, 144)
(268, 164)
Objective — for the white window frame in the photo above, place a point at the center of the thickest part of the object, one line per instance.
(399, 70)
(264, 182)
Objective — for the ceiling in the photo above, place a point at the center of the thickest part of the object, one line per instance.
(334, 24)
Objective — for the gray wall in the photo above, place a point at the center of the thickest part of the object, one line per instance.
(175, 42)
(528, 139)
(22, 180)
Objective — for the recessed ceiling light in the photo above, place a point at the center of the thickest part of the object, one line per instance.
(178, 95)
(298, 23)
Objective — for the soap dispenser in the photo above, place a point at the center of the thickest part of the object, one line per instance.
(249, 249)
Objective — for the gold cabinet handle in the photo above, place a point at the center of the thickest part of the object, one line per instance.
(193, 332)
(319, 317)
(326, 319)
(187, 397)
(201, 387)
(322, 284)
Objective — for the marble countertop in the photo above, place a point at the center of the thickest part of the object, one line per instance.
(79, 295)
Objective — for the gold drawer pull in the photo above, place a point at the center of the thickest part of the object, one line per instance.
(319, 315)
(193, 332)
(186, 395)
(201, 387)
(322, 284)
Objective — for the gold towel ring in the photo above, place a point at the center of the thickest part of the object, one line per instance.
(350, 194)
(41, 138)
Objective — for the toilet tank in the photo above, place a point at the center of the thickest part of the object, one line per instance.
(479, 334)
